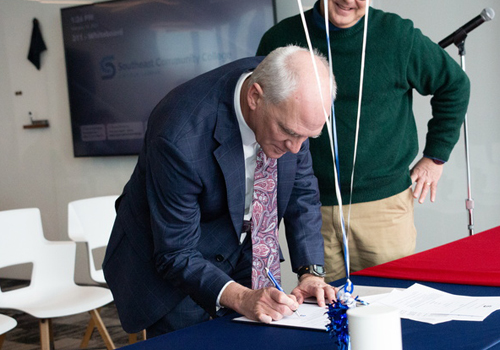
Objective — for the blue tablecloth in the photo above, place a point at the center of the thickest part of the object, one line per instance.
(223, 333)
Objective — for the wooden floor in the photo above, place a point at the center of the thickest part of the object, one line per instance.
(68, 331)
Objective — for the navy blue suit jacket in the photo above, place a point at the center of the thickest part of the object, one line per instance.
(180, 216)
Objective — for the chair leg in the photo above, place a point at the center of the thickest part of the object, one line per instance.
(132, 337)
(46, 336)
(2, 338)
(102, 329)
(88, 334)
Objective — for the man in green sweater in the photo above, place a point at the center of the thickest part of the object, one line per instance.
(399, 59)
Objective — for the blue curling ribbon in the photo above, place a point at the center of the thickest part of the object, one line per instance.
(362, 302)
(337, 314)
(338, 327)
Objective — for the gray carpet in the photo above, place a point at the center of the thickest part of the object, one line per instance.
(68, 331)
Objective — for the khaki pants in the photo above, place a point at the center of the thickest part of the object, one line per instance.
(380, 231)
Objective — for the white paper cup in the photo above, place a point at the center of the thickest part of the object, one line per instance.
(375, 327)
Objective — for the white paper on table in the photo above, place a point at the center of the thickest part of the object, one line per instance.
(362, 292)
(313, 316)
(425, 304)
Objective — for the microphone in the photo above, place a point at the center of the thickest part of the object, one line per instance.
(461, 33)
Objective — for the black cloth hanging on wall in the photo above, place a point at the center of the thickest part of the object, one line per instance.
(37, 45)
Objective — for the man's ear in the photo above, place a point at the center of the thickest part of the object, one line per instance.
(254, 96)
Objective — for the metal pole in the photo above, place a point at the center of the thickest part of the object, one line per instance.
(469, 202)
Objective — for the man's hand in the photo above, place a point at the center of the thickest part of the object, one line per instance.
(313, 286)
(426, 174)
(264, 305)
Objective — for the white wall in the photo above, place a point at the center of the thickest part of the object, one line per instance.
(37, 167)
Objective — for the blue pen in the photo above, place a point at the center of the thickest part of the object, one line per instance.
(277, 285)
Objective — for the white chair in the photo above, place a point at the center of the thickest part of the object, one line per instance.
(91, 220)
(6, 324)
(52, 291)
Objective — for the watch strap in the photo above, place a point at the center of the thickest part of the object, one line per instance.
(315, 270)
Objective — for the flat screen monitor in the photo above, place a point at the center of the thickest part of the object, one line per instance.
(123, 57)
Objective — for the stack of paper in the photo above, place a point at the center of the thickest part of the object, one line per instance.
(425, 304)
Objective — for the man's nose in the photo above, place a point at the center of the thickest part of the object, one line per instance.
(294, 144)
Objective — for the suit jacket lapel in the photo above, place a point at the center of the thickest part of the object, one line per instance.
(230, 152)
(230, 157)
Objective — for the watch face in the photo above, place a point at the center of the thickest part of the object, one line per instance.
(319, 269)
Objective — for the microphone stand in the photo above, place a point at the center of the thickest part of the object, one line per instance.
(459, 41)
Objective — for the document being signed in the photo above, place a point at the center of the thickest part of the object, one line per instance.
(311, 316)
(314, 317)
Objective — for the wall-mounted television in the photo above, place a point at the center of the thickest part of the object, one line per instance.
(123, 56)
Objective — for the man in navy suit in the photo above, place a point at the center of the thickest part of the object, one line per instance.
(179, 253)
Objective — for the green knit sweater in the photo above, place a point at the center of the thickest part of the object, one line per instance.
(399, 58)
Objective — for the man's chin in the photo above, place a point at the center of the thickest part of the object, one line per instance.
(272, 151)
(274, 154)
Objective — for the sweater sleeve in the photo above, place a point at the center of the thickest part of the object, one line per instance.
(431, 71)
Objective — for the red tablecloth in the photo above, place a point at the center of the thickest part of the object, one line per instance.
(474, 260)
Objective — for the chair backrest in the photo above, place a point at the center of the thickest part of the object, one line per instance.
(21, 234)
(91, 220)
(22, 241)
(6, 324)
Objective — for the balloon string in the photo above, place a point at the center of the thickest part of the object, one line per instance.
(331, 125)
(332, 132)
(301, 9)
(358, 117)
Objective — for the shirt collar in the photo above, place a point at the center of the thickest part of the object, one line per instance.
(247, 135)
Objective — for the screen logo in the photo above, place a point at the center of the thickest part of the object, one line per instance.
(108, 68)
